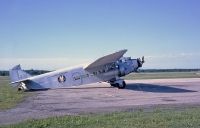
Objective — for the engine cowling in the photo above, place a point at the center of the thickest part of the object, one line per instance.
(140, 62)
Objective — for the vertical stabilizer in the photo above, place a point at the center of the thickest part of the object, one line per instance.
(16, 74)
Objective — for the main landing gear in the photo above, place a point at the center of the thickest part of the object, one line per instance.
(121, 84)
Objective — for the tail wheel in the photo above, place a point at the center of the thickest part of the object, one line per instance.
(20, 88)
(121, 86)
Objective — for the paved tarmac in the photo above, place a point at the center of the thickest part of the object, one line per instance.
(100, 97)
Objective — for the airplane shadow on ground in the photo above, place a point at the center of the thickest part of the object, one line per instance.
(134, 87)
(156, 88)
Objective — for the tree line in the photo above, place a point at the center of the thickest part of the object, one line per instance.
(169, 70)
(32, 72)
(38, 72)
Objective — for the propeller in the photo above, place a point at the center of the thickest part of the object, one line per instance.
(141, 61)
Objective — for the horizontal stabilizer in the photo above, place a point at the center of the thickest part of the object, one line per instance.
(19, 81)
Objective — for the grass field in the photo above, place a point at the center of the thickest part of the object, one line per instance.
(9, 96)
(163, 75)
(184, 118)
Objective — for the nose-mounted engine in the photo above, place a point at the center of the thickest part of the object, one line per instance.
(127, 65)
(140, 62)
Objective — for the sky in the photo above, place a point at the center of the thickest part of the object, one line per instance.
(53, 34)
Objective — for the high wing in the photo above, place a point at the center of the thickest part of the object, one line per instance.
(106, 60)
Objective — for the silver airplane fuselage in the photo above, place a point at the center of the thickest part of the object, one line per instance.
(106, 69)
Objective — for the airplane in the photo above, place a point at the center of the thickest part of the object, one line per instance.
(105, 69)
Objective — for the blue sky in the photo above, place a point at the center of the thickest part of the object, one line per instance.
(51, 34)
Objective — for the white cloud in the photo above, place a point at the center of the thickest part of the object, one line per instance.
(180, 60)
(172, 55)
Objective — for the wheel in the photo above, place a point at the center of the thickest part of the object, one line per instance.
(19, 89)
(122, 86)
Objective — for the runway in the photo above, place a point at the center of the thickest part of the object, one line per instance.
(100, 97)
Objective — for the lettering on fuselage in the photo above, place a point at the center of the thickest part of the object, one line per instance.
(81, 77)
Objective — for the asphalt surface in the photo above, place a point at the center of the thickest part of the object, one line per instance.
(100, 97)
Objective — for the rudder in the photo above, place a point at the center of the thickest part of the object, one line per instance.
(16, 74)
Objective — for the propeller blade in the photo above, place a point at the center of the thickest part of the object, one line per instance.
(143, 61)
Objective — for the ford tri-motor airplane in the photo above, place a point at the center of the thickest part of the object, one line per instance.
(106, 69)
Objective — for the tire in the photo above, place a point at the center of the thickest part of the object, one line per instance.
(19, 89)
(122, 86)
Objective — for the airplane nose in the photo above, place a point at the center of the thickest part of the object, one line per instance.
(140, 62)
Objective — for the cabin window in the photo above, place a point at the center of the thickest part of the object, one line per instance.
(77, 78)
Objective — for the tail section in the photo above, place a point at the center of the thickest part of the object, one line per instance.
(16, 74)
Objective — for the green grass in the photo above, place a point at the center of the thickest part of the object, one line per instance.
(185, 118)
(163, 75)
(9, 97)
